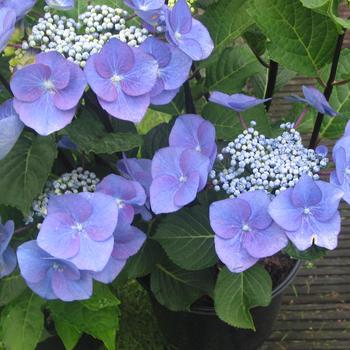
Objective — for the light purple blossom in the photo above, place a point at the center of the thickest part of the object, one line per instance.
(52, 278)
(127, 242)
(173, 69)
(7, 255)
(315, 99)
(193, 132)
(7, 25)
(187, 33)
(244, 230)
(150, 11)
(322, 150)
(122, 78)
(47, 93)
(237, 102)
(79, 228)
(341, 175)
(21, 7)
(10, 128)
(178, 174)
(126, 194)
(62, 5)
(309, 213)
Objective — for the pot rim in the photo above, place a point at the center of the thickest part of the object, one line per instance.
(210, 310)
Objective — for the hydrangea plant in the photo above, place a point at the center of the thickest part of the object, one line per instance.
(136, 141)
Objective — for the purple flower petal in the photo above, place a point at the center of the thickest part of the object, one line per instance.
(322, 150)
(158, 49)
(228, 216)
(6, 233)
(180, 17)
(166, 161)
(7, 27)
(20, 7)
(110, 271)
(188, 190)
(165, 97)
(233, 254)
(317, 100)
(8, 262)
(339, 158)
(306, 193)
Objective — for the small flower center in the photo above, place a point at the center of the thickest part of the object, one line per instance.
(143, 7)
(77, 227)
(307, 211)
(116, 78)
(199, 148)
(245, 228)
(183, 178)
(158, 73)
(49, 85)
(178, 35)
(120, 203)
(347, 171)
(57, 267)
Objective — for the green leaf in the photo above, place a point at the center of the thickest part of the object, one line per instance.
(187, 238)
(227, 124)
(69, 334)
(100, 322)
(312, 253)
(236, 293)
(24, 171)
(151, 120)
(89, 134)
(230, 73)
(226, 20)
(176, 288)
(10, 288)
(328, 8)
(301, 39)
(101, 298)
(22, 323)
(256, 40)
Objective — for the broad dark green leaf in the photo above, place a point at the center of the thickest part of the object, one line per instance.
(69, 334)
(256, 40)
(22, 323)
(226, 20)
(101, 298)
(10, 288)
(301, 39)
(151, 120)
(187, 238)
(176, 288)
(236, 293)
(230, 73)
(24, 171)
(312, 253)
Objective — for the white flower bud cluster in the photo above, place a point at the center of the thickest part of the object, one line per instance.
(254, 162)
(79, 180)
(78, 40)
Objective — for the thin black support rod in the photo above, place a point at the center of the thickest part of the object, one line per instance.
(189, 104)
(328, 89)
(271, 83)
(6, 85)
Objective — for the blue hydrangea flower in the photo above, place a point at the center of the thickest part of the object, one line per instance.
(79, 228)
(21, 7)
(178, 174)
(187, 33)
(52, 278)
(344, 141)
(150, 11)
(127, 242)
(193, 132)
(126, 193)
(122, 78)
(315, 99)
(237, 102)
(309, 213)
(47, 93)
(322, 150)
(7, 255)
(341, 175)
(7, 25)
(63, 5)
(244, 230)
(138, 170)
(10, 128)
(173, 69)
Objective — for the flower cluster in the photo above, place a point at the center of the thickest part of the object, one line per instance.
(77, 41)
(181, 170)
(255, 162)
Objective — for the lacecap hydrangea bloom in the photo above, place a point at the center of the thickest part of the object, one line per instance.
(244, 230)
(46, 93)
(8, 260)
(187, 33)
(7, 25)
(150, 11)
(79, 228)
(62, 5)
(173, 69)
(52, 278)
(308, 213)
(10, 128)
(122, 78)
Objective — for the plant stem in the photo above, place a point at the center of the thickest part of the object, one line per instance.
(24, 229)
(328, 89)
(271, 83)
(242, 121)
(301, 117)
(189, 104)
(5, 84)
(261, 61)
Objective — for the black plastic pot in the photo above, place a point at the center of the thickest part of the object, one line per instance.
(201, 329)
